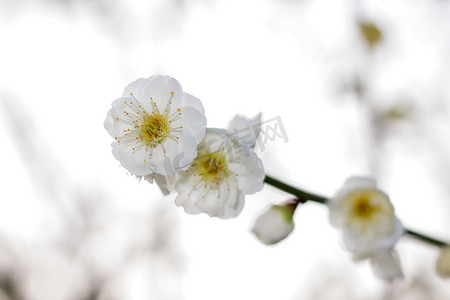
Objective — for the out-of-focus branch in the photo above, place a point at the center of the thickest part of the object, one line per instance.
(304, 196)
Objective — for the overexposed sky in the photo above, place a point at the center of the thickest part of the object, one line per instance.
(62, 63)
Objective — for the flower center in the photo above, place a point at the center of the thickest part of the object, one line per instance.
(154, 129)
(363, 208)
(369, 210)
(212, 167)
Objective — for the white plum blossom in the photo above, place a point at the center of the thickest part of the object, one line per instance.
(246, 130)
(443, 263)
(220, 176)
(369, 226)
(365, 215)
(156, 126)
(274, 224)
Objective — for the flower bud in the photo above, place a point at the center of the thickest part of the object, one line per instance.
(443, 263)
(274, 224)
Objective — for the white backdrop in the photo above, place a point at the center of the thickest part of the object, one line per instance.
(73, 222)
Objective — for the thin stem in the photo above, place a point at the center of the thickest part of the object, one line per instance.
(304, 196)
(300, 194)
(426, 239)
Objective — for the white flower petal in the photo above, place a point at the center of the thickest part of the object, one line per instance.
(184, 185)
(136, 88)
(246, 130)
(160, 89)
(188, 142)
(216, 140)
(363, 244)
(191, 101)
(157, 87)
(119, 109)
(389, 240)
(186, 202)
(221, 201)
(131, 160)
(233, 200)
(386, 265)
(162, 162)
(109, 124)
(192, 120)
(250, 172)
(359, 182)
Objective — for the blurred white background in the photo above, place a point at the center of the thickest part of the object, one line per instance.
(75, 225)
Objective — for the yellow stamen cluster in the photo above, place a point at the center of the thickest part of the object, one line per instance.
(367, 208)
(154, 129)
(148, 129)
(211, 167)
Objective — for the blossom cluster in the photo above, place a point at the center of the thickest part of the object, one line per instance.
(160, 135)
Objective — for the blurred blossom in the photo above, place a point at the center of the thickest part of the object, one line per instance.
(370, 33)
(156, 126)
(275, 223)
(386, 265)
(246, 130)
(443, 263)
(365, 215)
(368, 223)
